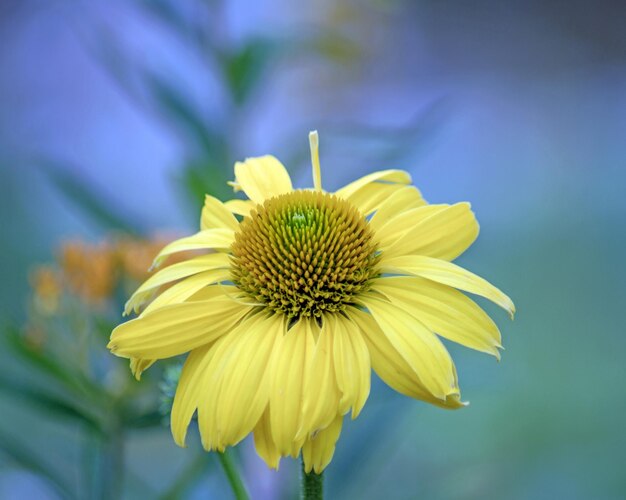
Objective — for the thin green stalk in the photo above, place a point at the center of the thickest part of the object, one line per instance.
(312, 485)
(236, 484)
(112, 464)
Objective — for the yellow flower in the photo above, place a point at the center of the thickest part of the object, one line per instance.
(300, 298)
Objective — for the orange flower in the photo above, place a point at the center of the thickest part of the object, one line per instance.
(47, 287)
(89, 270)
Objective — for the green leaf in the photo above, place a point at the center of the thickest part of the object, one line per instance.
(85, 197)
(178, 108)
(145, 420)
(203, 177)
(25, 458)
(49, 403)
(71, 380)
(187, 478)
(245, 68)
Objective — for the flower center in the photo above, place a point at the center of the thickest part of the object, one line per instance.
(304, 253)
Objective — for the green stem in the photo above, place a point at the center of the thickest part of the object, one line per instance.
(236, 484)
(312, 485)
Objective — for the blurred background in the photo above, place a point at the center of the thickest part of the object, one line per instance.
(116, 117)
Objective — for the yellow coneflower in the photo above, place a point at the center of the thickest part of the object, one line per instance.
(304, 293)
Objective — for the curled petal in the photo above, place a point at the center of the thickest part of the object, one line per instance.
(352, 365)
(402, 200)
(321, 395)
(173, 273)
(176, 329)
(264, 443)
(291, 364)
(318, 450)
(449, 274)
(443, 310)
(391, 366)
(419, 347)
(138, 366)
(445, 234)
(237, 382)
(189, 391)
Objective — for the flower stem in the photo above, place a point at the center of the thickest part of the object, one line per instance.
(312, 485)
(236, 484)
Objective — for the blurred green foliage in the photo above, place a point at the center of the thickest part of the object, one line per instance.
(71, 376)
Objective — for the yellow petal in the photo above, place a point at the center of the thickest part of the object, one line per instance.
(217, 238)
(189, 391)
(419, 347)
(292, 361)
(321, 396)
(352, 365)
(174, 273)
(402, 200)
(238, 381)
(319, 449)
(263, 177)
(399, 225)
(443, 310)
(446, 234)
(216, 215)
(263, 442)
(447, 274)
(138, 366)
(176, 329)
(382, 176)
(240, 207)
(370, 197)
(391, 366)
(188, 287)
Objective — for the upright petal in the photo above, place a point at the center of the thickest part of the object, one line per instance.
(443, 310)
(293, 360)
(176, 329)
(419, 347)
(240, 207)
(390, 365)
(447, 274)
(369, 192)
(318, 450)
(217, 215)
(261, 178)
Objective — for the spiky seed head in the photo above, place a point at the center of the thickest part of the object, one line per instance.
(304, 253)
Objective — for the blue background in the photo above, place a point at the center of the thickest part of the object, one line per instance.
(519, 108)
